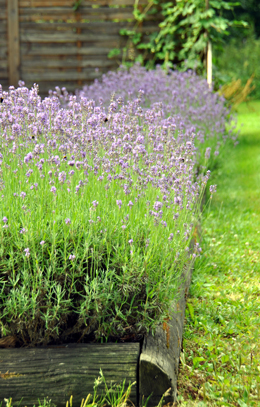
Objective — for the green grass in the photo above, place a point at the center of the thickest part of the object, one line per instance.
(221, 359)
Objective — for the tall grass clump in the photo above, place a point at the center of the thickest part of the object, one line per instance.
(98, 208)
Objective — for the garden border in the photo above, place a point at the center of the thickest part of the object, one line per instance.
(71, 369)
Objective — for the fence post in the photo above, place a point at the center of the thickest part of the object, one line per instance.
(13, 42)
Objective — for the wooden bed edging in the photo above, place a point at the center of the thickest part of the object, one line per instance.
(160, 354)
(57, 372)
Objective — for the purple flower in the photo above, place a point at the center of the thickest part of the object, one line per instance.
(27, 252)
(23, 231)
(67, 220)
(95, 203)
(130, 204)
(171, 236)
(23, 195)
(212, 189)
(53, 189)
(72, 257)
(5, 220)
(130, 241)
(42, 242)
(119, 203)
(157, 205)
(207, 153)
(62, 176)
(123, 227)
(28, 157)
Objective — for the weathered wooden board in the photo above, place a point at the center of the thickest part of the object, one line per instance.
(3, 64)
(3, 75)
(3, 27)
(70, 3)
(3, 51)
(45, 63)
(86, 13)
(56, 75)
(56, 49)
(66, 37)
(159, 359)
(57, 372)
(103, 27)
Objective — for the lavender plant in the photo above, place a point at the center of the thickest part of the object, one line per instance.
(98, 207)
(184, 96)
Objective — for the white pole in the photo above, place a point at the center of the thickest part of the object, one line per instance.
(209, 54)
(209, 63)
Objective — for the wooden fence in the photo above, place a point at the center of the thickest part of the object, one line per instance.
(48, 43)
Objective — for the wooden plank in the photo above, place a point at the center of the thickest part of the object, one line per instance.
(70, 3)
(4, 83)
(86, 13)
(13, 42)
(3, 74)
(3, 14)
(159, 359)
(66, 37)
(3, 26)
(96, 26)
(3, 51)
(50, 49)
(61, 371)
(30, 65)
(56, 75)
(3, 40)
(3, 65)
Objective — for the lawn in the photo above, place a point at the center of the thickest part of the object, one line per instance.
(221, 357)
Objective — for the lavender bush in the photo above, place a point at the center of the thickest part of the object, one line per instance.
(98, 207)
(184, 97)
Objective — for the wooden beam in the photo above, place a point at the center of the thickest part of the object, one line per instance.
(62, 371)
(13, 42)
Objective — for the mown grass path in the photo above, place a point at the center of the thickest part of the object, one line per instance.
(221, 359)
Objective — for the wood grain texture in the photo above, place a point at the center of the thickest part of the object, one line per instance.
(66, 63)
(86, 13)
(13, 42)
(103, 27)
(66, 37)
(159, 359)
(70, 3)
(55, 75)
(58, 372)
(32, 50)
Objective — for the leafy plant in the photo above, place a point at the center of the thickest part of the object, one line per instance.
(183, 34)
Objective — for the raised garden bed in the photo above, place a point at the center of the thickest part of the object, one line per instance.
(59, 371)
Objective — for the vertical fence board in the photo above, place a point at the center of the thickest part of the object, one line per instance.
(13, 42)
